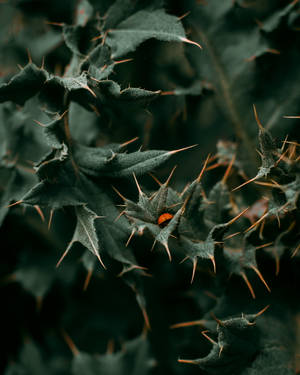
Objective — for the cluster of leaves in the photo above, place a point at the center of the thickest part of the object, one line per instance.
(76, 235)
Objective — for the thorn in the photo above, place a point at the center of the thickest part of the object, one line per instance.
(39, 303)
(137, 184)
(262, 311)
(231, 235)
(184, 259)
(264, 245)
(185, 40)
(50, 219)
(128, 142)
(189, 324)
(130, 237)
(168, 93)
(295, 251)
(170, 176)
(245, 183)
(122, 61)
(153, 245)
(248, 284)
(87, 280)
(39, 123)
(146, 319)
(214, 166)
(100, 260)
(119, 194)
(110, 346)
(216, 319)
(29, 56)
(256, 270)
(168, 251)
(208, 338)
(184, 15)
(221, 350)
(195, 261)
(256, 223)
(238, 216)
(277, 263)
(282, 156)
(190, 361)
(70, 343)
(63, 256)
(203, 168)
(14, 204)
(60, 24)
(155, 179)
(267, 184)
(293, 117)
(257, 119)
(120, 214)
(39, 211)
(43, 63)
(181, 149)
(212, 258)
(227, 172)
(89, 90)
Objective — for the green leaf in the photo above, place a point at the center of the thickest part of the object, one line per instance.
(24, 85)
(141, 26)
(133, 360)
(85, 231)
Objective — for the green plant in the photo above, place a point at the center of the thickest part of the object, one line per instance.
(79, 143)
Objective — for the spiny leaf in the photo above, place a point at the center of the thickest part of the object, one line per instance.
(141, 26)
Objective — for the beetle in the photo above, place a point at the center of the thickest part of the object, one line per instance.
(164, 219)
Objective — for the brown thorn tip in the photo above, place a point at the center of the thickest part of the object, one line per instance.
(195, 261)
(248, 284)
(295, 251)
(87, 280)
(212, 258)
(227, 172)
(119, 194)
(181, 149)
(130, 237)
(256, 270)
(39, 211)
(137, 184)
(185, 40)
(244, 183)
(263, 310)
(155, 179)
(188, 324)
(238, 216)
(70, 343)
(208, 338)
(170, 176)
(62, 257)
(190, 361)
(203, 168)
(50, 219)
(14, 204)
(168, 251)
(146, 318)
(100, 260)
(257, 222)
(128, 142)
(257, 119)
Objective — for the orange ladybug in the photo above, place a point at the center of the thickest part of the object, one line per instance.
(164, 219)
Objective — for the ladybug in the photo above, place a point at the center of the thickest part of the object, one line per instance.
(164, 219)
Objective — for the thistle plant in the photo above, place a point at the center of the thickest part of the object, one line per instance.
(149, 187)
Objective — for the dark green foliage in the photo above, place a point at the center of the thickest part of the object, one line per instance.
(107, 270)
